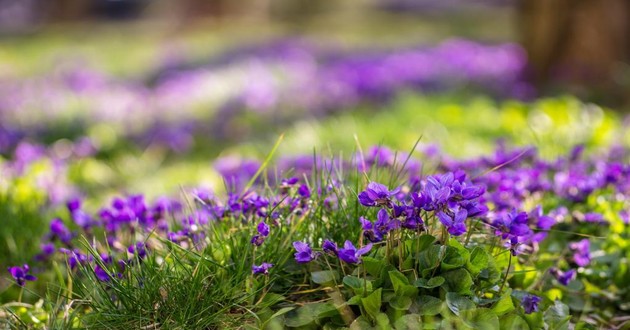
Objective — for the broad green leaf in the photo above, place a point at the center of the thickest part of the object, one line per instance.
(354, 300)
(557, 316)
(429, 305)
(429, 259)
(453, 258)
(458, 280)
(463, 251)
(382, 322)
(361, 323)
(408, 322)
(357, 284)
(372, 303)
(457, 303)
(505, 304)
(513, 322)
(401, 284)
(280, 312)
(430, 284)
(325, 277)
(352, 282)
(308, 314)
(423, 242)
(401, 303)
(534, 320)
(398, 279)
(478, 261)
(373, 266)
(480, 318)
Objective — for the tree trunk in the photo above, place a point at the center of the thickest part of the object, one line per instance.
(582, 44)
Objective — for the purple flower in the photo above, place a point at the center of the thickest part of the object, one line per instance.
(139, 248)
(262, 269)
(453, 220)
(101, 274)
(73, 204)
(304, 192)
(377, 230)
(58, 229)
(377, 194)
(530, 303)
(512, 224)
(351, 254)
(563, 277)
(21, 275)
(263, 231)
(75, 257)
(594, 217)
(581, 252)
(330, 247)
(304, 252)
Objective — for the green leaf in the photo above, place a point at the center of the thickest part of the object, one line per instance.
(352, 282)
(453, 258)
(308, 314)
(280, 312)
(372, 303)
(429, 259)
(513, 322)
(408, 263)
(299, 318)
(361, 323)
(408, 322)
(458, 280)
(430, 284)
(463, 251)
(401, 303)
(429, 305)
(373, 266)
(535, 320)
(505, 304)
(423, 242)
(457, 303)
(478, 261)
(382, 321)
(557, 316)
(401, 284)
(354, 300)
(325, 277)
(398, 279)
(480, 318)
(357, 285)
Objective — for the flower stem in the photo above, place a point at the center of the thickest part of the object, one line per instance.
(507, 272)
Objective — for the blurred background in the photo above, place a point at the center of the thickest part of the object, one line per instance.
(133, 86)
(577, 46)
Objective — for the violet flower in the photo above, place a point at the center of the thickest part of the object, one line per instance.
(21, 274)
(262, 269)
(377, 194)
(563, 277)
(59, 230)
(304, 252)
(263, 231)
(530, 303)
(453, 220)
(330, 247)
(581, 252)
(351, 254)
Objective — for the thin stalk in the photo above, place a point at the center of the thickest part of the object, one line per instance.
(507, 272)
